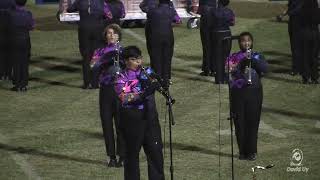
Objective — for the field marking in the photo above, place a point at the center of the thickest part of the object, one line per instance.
(263, 128)
(317, 125)
(26, 167)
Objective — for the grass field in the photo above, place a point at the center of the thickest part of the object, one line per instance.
(53, 131)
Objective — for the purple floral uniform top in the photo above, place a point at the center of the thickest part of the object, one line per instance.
(103, 60)
(239, 76)
(130, 86)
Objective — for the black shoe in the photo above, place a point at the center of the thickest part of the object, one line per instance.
(314, 82)
(242, 157)
(24, 89)
(120, 163)
(204, 73)
(87, 86)
(14, 88)
(212, 73)
(305, 81)
(252, 157)
(112, 163)
(293, 73)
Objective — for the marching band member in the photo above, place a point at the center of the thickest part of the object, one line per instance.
(6, 6)
(92, 21)
(105, 63)
(21, 23)
(310, 39)
(223, 18)
(206, 7)
(138, 117)
(245, 70)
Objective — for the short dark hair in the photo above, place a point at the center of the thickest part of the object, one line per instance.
(21, 2)
(131, 52)
(224, 2)
(116, 28)
(245, 34)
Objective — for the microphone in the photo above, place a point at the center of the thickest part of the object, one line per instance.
(261, 167)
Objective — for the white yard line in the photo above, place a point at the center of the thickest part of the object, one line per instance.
(26, 167)
(263, 128)
(317, 125)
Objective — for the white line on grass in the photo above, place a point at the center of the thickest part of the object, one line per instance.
(317, 124)
(21, 161)
(263, 128)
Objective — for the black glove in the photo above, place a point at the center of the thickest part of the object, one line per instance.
(151, 89)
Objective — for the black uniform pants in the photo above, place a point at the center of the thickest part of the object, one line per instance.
(311, 46)
(295, 34)
(90, 38)
(221, 50)
(5, 60)
(141, 130)
(147, 33)
(21, 56)
(109, 111)
(246, 109)
(207, 45)
(161, 54)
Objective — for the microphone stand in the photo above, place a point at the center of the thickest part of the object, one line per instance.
(231, 116)
(169, 102)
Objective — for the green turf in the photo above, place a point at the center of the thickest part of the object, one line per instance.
(54, 129)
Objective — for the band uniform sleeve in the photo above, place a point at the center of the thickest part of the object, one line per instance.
(123, 11)
(259, 63)
(74, 7)
(106, 11)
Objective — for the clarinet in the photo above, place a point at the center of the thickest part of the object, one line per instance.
(249, 69)
(116, 61)
(161, 90)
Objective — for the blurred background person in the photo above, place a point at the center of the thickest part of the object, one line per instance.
(92, 22)
(161, 38)
(245, 70)
(295, 34)
(223, 18)
(311, 42)
(206, 7)
(21, 23)
(114, 10)
(6, 6)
